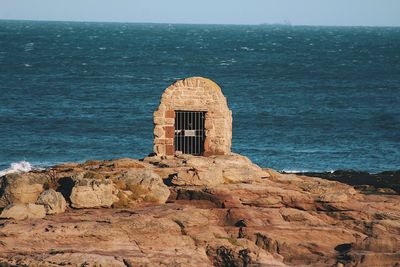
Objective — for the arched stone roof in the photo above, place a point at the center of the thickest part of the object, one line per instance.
(194, 94)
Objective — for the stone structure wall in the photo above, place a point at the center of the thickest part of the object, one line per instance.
(194, 94)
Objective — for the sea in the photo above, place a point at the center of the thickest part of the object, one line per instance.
(304, 98)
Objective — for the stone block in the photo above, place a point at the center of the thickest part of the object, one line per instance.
(208, 123)
(158, 113)
(210, 132)
(160, 141)
(162, 107)
(170, 114)
(158, 132)
(221, 127)
(169, 131)
(170, 150)
(220, 151)
(159, 149)
(207, 144)
(169, 121)
(159, 120)
(189, 103)
(164, 141)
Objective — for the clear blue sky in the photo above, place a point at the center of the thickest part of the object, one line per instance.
(298, 12)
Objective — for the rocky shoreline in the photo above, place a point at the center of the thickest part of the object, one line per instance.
(363, 180)
(194, 211)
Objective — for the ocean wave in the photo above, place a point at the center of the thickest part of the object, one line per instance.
(29, 47)
(17, 167)
(247, 48)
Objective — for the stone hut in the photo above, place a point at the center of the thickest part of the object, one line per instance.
(193, 118)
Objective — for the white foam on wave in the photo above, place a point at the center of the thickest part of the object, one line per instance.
(17, 167)
(29, 47)
(247, 48)
(293, 171)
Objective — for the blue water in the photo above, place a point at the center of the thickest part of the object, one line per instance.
(303, 98)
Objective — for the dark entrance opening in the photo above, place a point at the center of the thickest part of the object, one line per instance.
(189, 132)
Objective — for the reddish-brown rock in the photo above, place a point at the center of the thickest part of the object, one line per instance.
(262, 219)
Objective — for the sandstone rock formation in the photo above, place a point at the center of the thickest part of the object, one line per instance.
(140, 185)
(384, 181)
(52, 201)
(208, 171)
(91, 193)
(248, 217)
(21, 211)
(24, 188)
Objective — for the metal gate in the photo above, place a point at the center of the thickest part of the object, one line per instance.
(189, 132)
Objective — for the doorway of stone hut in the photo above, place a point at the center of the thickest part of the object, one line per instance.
(189, 132)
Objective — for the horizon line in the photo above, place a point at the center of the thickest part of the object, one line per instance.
(194, 23)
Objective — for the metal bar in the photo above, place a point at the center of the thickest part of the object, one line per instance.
(180, 134)
(194, 127)
(189, 149)
(178, 147)
(191, 138)
(199, 134)
(189, 134)
(184, 138)
(195, 133)
(175, 138)
(190, 127)
(194, 137)
(202, 131)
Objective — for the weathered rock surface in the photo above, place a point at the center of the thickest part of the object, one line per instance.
(208, 171)
(23, 211)
(23, 188)
(52, 201)
(92, 193)
(140, 185)
(265, 219)
(383, 181)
